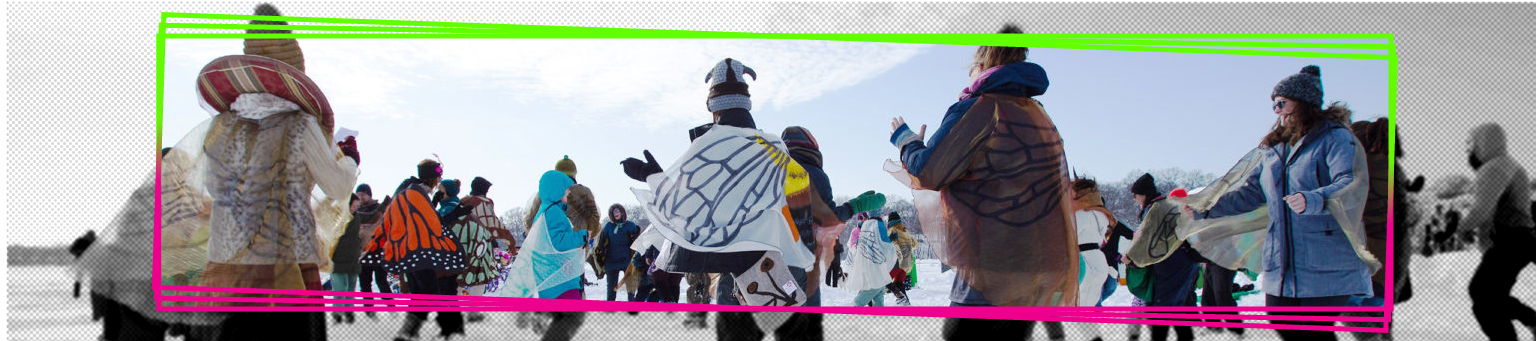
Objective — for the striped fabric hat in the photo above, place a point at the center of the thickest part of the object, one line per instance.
(226, 78)
(727, 87)
(802, 145)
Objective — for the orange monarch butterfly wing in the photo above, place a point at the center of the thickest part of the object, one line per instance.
(411, 238)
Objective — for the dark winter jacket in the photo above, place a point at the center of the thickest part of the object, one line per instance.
(1111, 246)
(642, 263)
(349, 249)
(616, 240)
(1173, 279)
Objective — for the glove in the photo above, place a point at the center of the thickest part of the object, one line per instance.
(639, 170)
(349, 148)
(898, 275)
(869, 201)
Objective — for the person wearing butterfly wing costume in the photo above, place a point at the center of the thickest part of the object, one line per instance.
(999, 167)
(412, 241)
(818, 223)
(1311, 175)
(715, 229)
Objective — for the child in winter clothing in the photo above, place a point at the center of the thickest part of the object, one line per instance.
(549, 264)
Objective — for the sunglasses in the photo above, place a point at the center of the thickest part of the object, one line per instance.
(1279, 103)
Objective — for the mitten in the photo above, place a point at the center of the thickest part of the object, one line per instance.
(639, 170)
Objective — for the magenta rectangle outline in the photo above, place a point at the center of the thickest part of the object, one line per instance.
(1029, 311)
(747, 309)
(626, 306)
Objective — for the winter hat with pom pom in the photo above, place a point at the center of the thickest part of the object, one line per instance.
(565, 165)
(1306, 86)
(285, 50)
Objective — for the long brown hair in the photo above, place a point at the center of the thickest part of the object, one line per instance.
(1306, 117)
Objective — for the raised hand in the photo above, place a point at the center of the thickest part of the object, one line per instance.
(639, 170)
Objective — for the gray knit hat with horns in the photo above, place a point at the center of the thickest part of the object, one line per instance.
(727, 87)
(1306, 86)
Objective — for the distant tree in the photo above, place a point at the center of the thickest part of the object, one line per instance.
(1117, 194)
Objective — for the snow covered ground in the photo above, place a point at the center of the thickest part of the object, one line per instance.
(40, 309)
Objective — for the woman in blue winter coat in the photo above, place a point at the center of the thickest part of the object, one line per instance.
(618, 234)
(1309, 155)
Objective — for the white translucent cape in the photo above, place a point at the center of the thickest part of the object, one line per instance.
(870, 263)
(539, 266)
(1236, 241)
(331, 215)
(727, 193)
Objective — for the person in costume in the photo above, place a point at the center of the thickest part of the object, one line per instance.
(568, 167)
(411, 241)
(267, 239)
(870, 261)
(613, 247)
(345, 267)
(485, 239)
(549, 264)
(1501, 217)
(903, 276)
(447, 199)
(819, 223)
(1000, 169)
(258, 159)
(1313, 182)
(1093, 221)
(1171, 282)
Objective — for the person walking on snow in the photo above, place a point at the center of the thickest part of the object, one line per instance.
(1501, 215)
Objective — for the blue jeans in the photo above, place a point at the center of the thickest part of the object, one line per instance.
(344, 283)
(876, 296)
(613, 283)
(1109, 290)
